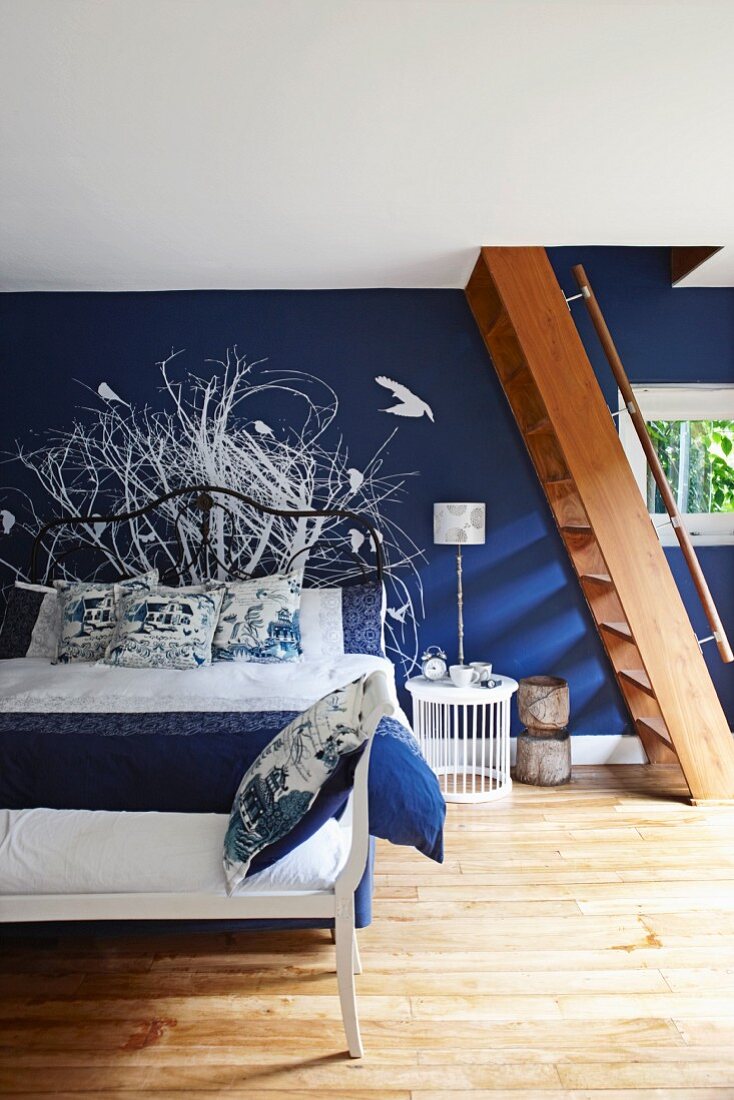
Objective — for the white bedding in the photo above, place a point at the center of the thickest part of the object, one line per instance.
(100, 852)
(34, 684)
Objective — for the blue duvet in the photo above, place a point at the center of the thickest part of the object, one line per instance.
(193, 763)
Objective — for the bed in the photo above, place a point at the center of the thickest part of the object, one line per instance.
(88, 737)
(116, 783)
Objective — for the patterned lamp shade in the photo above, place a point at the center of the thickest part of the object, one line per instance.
(458, 524)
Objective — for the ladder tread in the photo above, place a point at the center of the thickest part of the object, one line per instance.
(559, 480)
(621, 630)
(576, 528)
(657, 727)
(538, 426)
(638, 678)
(500, 319)
(597, 578)
(514, 374)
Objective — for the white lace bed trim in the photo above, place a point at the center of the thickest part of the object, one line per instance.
(28, 702)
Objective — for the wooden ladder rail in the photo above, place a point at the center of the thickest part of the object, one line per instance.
(638, 421)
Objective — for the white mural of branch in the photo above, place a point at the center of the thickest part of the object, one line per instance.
(270, 434)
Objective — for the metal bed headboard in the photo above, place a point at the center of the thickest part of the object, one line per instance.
(202, 554)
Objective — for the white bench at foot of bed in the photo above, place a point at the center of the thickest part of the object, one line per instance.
(268, 899)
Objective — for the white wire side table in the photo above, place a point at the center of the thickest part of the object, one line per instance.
(464, 734)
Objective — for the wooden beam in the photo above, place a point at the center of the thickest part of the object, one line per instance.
(684, 260)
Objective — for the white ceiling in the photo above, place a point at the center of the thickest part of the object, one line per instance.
(346, 143)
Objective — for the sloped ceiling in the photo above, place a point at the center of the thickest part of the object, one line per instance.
(153, 144)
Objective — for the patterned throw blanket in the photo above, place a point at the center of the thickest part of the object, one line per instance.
(193, 763)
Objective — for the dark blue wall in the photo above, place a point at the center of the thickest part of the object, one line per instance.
(523, 606)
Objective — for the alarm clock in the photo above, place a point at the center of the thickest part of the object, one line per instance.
(433, 663)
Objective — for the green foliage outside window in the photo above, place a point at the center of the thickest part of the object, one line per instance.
(698, 459)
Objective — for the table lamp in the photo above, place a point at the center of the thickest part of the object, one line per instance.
(459, 525)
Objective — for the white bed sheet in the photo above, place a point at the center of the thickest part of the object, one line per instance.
(34, 684)
(100, 852)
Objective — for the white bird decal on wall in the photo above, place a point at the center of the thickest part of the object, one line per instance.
(356, 477)
(410, 405)
(262, 428)
(8, 521)
(108, 394)
(357, 539)
(399, 613)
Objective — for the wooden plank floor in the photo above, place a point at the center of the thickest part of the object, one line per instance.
(578, 942)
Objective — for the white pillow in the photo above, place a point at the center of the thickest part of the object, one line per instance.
(322, 634)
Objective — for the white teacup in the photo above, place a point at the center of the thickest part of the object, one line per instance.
(463, 675)
(484, 668)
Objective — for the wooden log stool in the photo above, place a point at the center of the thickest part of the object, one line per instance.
(544, 747)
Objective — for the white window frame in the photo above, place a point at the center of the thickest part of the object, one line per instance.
(689, 401)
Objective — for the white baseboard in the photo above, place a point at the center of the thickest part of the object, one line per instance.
(613, 748)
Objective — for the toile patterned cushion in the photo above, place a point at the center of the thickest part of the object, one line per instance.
(31, 623)
(259, 620)
(279, 799)
(88, 613)
(165, 629)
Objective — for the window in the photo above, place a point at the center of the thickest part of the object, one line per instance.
(692, 429)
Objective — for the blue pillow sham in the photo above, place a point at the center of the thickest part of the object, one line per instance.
(363, 618)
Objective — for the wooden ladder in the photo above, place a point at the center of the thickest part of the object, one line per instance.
(550, 384)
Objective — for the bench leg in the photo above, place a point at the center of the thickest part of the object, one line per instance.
(356, 961)
(345, 962)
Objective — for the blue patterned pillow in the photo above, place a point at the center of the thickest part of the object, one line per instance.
(363, 619)
(281, 788)
(88, 613)
(343, 620)
(165, 629)
(259, 620)
(30, 626)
